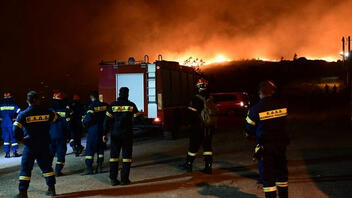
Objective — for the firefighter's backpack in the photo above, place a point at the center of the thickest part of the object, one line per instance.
(209, 111)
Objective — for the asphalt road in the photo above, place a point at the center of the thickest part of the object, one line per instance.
(320, 161)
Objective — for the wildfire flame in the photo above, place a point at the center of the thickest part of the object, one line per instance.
(189, 60)
(218, 59)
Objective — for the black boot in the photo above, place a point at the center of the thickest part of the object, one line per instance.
(7, 155)
(125, 173)
(208, 168)
(51, 191)
(126, 182)
(15, 154)
(99, 168)
(270, 194)
(88, 171)
(22, 194)
(187, 166)
(114, 182)
(283, 192)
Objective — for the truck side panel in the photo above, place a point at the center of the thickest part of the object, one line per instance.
(107, 83)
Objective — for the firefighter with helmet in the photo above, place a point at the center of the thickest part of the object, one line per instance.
(94, 121)
(202, 112)
(60, 131)
(8, 112)
(267, 121)
(76, 125)
(119, 120)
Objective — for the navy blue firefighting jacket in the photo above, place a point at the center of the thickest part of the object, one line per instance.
(119, 117)
(94, 118)
(8, 112)
(34, 123)
(267, 121)
(61, 129)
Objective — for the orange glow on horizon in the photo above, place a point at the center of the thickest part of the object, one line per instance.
(196, 58)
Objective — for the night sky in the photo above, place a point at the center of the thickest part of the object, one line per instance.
(60, 42)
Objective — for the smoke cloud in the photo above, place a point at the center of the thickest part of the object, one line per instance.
(60, 43)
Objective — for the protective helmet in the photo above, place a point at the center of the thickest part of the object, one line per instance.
(76, 97)
(202, 84)
(58, 96)
(267, 87)
(7, 95)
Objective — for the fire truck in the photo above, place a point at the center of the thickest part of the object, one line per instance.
(161, 90)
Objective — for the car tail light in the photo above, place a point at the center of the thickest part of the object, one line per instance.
(157, 120)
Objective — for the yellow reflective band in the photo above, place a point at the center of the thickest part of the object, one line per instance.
(122, 109)
(63, 163)
(18, 124)
(25, 178)
(114, 160)
(270, 189)
(100, 155)
(135, 115)
(6, 143)
(90, 111)
(208, 153)
(89, 157)
(7, 108)
(282, 184)
(68, 119)
(101, 108)
(48, 174)
(127, 160)
(55, 117)
(277, 113)
(109, 115)
(67, 107)
(18, 110)
(192, 154)
(14, 144)
(249, 121)
(71, 140)
(61, 114)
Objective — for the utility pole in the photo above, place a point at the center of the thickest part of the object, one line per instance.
(347, 59)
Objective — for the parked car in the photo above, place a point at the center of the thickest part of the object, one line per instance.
(231, 103)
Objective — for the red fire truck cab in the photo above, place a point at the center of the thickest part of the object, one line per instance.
(161, 90)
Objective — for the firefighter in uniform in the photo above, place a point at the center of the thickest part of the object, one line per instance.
(8, 112)
(267, 121)
(32, 129)
(201, 116)
(118, 120)
(94, 121)
(76, 125)
(59, 131)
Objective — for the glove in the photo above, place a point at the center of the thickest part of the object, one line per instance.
(258, 152)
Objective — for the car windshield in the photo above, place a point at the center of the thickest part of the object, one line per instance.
(224, 97)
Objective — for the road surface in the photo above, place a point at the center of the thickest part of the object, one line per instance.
(320, 161)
